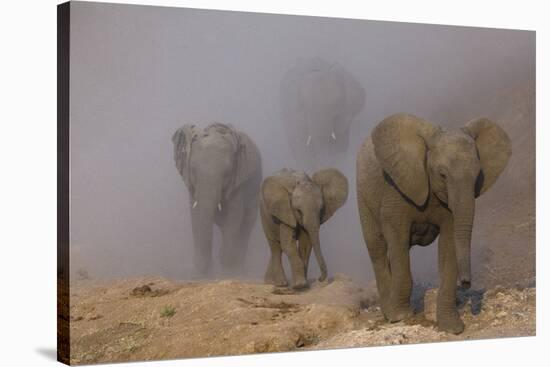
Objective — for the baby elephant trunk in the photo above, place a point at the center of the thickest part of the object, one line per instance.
(464, 217)
(313, 231)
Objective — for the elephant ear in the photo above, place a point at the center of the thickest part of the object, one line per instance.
(182, 140)
(276, 197)
(334, 186)
(400, 145)
(494, 148)
(246, 156)
(247, 159)
(355, 95)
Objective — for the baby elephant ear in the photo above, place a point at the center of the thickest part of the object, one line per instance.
(494, 148)
(400, 145)
(276, 198)
(334, 186)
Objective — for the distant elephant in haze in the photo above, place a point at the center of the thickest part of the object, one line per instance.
(415, 182)
(292, 208)
(222, 170)
(319, 101)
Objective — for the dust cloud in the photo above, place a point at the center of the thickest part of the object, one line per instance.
(139, 72)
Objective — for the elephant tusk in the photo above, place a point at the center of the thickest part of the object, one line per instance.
(220, 207)
(333, 135)
(194, 204)
(308, 141)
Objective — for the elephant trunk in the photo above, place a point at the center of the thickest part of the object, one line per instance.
(204, 207)
(463, 207)
(313, 231)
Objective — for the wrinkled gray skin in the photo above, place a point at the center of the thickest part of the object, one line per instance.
(221, 168)
(292, 208)
(319, 101)
(416, 181)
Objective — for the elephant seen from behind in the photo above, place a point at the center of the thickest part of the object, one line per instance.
(415, 182)
(293, 205)
(222, 170)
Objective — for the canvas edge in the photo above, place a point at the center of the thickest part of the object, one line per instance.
(63, 306)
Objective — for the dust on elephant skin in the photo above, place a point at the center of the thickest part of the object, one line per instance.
(319, 101)
(415, 182)
(222, 170)
(292, 208)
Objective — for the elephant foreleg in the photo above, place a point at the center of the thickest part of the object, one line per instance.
(288, 243)
(233, 251)
(448, 318)
(398, 239)
(275, 273)
(304, 249)
(201, 224)
(378, 253)
(250, 214)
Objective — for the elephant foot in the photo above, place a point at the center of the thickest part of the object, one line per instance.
(385, 309)
(397, 314)
(200, 273)
(280, 283)
(300, 284)
(277, 282)
(453, 325)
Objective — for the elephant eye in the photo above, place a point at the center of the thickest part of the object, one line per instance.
(443, 176)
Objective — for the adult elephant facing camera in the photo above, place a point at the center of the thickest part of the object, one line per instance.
(416, 181)
(292, 207)
(319, 101)
(222, 170)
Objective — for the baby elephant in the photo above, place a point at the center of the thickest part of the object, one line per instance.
(292, 208)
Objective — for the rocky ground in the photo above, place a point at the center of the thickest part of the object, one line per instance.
(153, 318)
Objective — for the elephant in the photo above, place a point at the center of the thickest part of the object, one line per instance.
(319, 101)
(292, 208)
(417, 181)
(222, 170)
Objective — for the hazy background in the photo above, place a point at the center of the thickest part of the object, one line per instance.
(140, 72)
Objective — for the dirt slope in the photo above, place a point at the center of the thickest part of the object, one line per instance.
(505, 217)
(153, 318)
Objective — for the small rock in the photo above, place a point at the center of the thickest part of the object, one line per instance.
(82, 274)
(147, 291)
(518, 315)
(501, 314)
(93, 317)
(141, 291)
